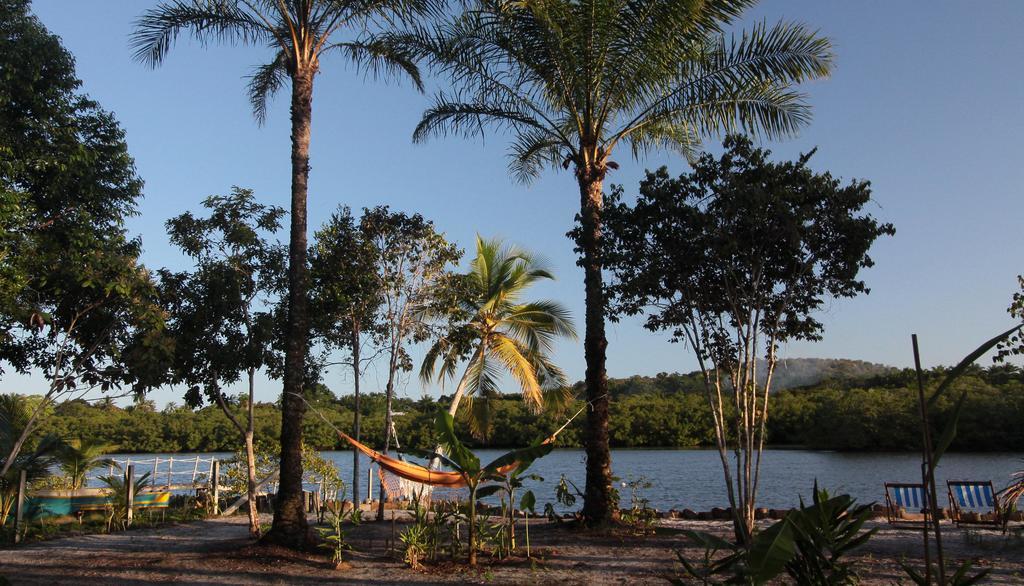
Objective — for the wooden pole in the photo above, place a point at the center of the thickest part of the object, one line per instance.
(369, 484)
(215, 479)
(19, 505)
(170, 466)
(129, 484)
(195, 470)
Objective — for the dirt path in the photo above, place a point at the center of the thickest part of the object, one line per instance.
(219, 552)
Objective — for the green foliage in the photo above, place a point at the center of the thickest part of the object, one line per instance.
(808, 545)
(77, 457)
(334, 537)
(117, 485)
(499, 333)
(1014, 345)
(236, 473)
(75, 304)
(963, 575)
(36, 460)
(640, 516)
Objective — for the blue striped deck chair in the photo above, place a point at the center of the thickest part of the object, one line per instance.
(974, 502)
(905, 503)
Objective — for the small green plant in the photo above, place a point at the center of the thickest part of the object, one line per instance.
(961, 577)
(640, 516)
(334, 536)
(117, 509)
(415, 541)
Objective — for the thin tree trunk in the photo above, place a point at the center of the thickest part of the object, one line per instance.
(472, 525)
(392, 367)
(597, 502)
(290, 528)
(356, 412)
(250, 458)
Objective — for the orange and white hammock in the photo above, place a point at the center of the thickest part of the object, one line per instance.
(417, 473)
(423, 475)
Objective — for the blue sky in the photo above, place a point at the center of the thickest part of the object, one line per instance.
(925, 102)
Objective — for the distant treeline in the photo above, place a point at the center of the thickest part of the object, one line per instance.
(847, 413)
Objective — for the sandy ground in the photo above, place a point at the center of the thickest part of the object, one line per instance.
(219, 552)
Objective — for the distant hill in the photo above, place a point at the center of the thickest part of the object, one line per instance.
(789, 373)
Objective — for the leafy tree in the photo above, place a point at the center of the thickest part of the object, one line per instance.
(75, 304)
(1014, 345)
(733, 259)
(502, 332)
(574, 80)
(413, 261)
(300, 33)
(347, 300)
(222, 313)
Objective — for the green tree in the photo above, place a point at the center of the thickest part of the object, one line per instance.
(573, 80)
(413, 277)
(222, 313)
(733, 259)
(347, 299)
(1014, 345)
(15, 412)
(300, 33)
(75, 304)
(501, 333)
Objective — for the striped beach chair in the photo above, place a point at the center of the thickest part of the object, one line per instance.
(974, 502)
(905, 503)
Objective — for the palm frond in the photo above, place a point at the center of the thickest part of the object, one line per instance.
(264, 82)
(207, 20)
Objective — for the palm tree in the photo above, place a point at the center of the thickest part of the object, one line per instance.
(78, 457)
(503, 333)
(300, 33)
(15, 413)
(574, 79)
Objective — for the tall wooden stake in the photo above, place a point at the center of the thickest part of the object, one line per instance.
(129, 490)
(215, 489)
(928, 477)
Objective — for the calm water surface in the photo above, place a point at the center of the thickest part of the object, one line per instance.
(693, 478)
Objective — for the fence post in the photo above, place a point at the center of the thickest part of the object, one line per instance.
(129, 484)
(19, 505)
(369, 484)
(156, 464)
(215, 479)
(195, 470)
(170, 467)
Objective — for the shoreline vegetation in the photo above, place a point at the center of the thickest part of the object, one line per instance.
(858, 407)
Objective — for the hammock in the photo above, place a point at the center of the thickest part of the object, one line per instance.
(408, 470)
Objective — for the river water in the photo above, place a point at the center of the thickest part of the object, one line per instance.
(689, 478)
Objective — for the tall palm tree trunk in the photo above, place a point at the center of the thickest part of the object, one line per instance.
(290, 527)
(597, 505)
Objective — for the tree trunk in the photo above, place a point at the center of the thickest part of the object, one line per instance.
(356, 412)
(290, 528)
(597, 501)
(472, 525)
(250, 459)
(390, 393)
(453, 409)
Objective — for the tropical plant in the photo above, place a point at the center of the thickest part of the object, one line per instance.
(462, 460)
(117, 493)
(573, 80)
(334, 538)
(15, 412)
(504, 333)
(78, 457)
(300, 33)
(734, 259)
(1014, 345)
(808, 545)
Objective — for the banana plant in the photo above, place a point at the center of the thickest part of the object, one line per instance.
(462, 460)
